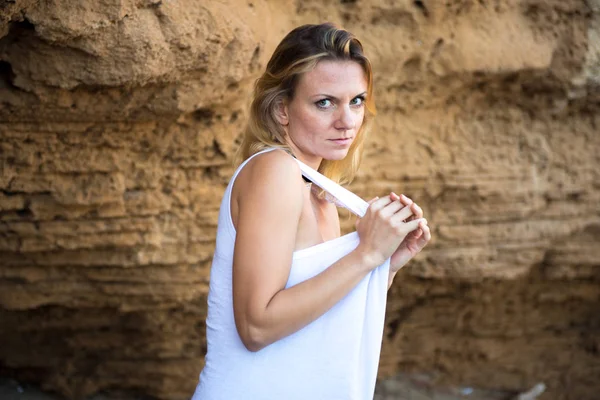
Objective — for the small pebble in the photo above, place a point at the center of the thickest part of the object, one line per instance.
(466, 391)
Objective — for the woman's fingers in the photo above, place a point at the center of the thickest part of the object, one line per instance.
(417, 211)
(378, 204)
(407, 201)
(404, 214)
(414, 224)
(391, 209)
(401, 209)
(426, 231)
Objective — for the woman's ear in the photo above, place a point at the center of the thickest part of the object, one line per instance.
(281, 112)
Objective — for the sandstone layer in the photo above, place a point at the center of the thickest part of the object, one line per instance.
(118, 124)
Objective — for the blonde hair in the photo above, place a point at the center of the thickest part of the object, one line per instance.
(299, 52)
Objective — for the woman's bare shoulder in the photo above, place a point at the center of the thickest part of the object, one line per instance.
(275, 170)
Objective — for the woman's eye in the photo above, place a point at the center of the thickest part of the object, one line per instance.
(325, 103)
(357, 101)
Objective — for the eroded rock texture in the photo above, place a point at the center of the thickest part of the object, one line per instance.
(118, 126)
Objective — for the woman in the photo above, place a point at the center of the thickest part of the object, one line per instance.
(296, 311)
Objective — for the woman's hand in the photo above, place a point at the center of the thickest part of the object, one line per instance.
(414, 242)
(383, 229)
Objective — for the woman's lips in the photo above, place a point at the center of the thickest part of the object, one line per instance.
(342, 141)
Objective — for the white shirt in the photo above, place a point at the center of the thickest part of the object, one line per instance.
(333, 357)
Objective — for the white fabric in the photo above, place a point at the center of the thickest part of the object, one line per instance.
(343, 196)
(334, 357)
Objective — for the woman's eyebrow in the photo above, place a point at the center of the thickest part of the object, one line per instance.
(335, 98)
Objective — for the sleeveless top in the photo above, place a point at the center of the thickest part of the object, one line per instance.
(334, 357)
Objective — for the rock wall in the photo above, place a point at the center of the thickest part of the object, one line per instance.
(118, 122)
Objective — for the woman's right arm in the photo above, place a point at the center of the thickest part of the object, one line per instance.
(269, 208)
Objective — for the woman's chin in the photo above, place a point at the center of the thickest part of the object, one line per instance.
(336, 155)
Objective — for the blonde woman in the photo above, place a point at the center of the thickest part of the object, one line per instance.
(296, 311)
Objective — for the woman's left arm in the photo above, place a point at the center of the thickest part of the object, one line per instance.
(414, 241)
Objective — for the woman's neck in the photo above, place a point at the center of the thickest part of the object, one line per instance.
(312, 161)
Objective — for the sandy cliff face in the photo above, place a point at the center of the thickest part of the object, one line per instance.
(118, 122)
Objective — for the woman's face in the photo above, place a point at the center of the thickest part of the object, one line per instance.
(322, 119)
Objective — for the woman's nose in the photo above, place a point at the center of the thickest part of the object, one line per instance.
(346, 119)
